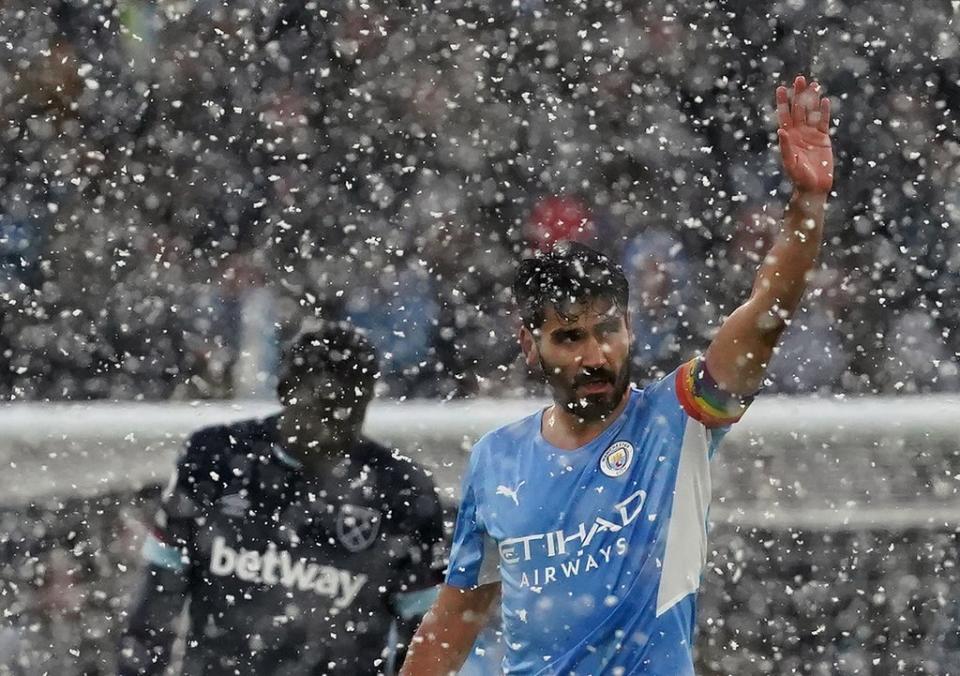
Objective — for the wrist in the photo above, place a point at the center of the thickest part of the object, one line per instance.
(808, 202)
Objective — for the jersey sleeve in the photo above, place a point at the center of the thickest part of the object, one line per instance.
(164, 586)
(422, 565)
(195, 482)
(703, 399)
(422, 557)
(691, 392)
(474, 558)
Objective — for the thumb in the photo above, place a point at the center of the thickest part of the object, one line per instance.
(790, 158)
(784, 138)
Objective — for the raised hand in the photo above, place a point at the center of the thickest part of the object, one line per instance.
(804, 135)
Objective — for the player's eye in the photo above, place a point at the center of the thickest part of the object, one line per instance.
(608, 328)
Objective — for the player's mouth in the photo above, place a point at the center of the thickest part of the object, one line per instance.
(595, 387)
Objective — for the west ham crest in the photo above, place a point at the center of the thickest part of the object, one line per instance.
(357, 527)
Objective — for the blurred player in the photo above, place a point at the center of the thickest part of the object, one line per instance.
(296, 541)
(590, 516)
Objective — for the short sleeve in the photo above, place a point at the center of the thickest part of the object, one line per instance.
(474, 558)
(169, 539)
(703, 399)
(422, 566)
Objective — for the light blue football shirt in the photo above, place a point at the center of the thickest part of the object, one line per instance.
(600, 549)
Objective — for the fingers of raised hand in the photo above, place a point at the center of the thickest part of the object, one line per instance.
(799, 84)
(799, 111)
(798, 108)
(809, 99)
(823, 122)
(804, 106)
(783, 107)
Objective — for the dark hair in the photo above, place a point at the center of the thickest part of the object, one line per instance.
(335, 347)
(568, 275)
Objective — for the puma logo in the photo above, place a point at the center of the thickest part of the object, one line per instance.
(511, 492)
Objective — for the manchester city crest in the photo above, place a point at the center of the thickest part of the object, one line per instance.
(616, 459)
(357, 527)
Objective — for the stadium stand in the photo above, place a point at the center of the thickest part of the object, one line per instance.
(389, 163)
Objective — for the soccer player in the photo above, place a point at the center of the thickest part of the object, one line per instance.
(589, 517)
(296, 541)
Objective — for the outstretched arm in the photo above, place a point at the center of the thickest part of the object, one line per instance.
(738, 356)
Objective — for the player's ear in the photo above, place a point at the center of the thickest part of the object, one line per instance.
(528, 344)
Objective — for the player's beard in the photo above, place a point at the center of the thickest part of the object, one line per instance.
(590, 407)
(318, 427)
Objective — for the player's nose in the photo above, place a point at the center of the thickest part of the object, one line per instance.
(593, 354)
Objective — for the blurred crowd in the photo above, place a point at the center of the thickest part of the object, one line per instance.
(815, 602)
(163, 162)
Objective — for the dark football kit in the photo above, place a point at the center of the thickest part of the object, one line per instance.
(285, 572)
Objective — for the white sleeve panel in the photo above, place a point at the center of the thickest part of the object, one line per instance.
(490, 567)
(686, 548)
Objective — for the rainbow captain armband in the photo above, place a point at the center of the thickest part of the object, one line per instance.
(702, 398)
